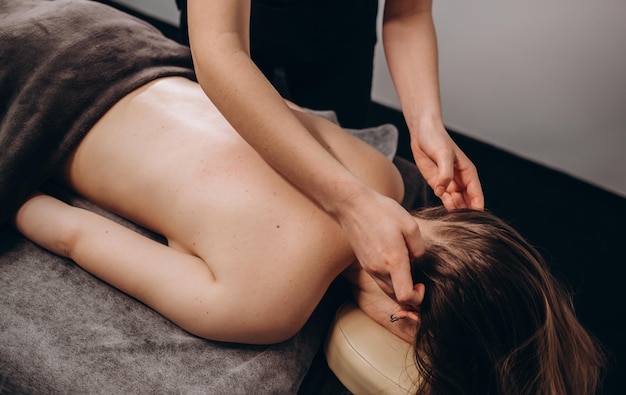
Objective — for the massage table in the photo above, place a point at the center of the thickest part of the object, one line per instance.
(367, 358)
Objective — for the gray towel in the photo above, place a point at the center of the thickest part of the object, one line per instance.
(63, 64)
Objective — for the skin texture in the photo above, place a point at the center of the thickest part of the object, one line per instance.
(219, 40)
(249, 255)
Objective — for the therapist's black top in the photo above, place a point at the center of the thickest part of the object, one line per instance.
(324, 49)
(296, 31)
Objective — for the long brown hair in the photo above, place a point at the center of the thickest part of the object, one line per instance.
(494, 320)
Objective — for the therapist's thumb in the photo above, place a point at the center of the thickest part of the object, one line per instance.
(445, 173)
(414, 241)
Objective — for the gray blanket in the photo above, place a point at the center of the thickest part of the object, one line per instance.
(63, 64)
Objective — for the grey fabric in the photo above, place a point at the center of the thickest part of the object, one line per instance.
(384, 137)
(63, 64)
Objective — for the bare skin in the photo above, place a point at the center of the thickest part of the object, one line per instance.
(219, 34)
(249, 256)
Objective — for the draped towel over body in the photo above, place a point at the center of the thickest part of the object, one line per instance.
(63, 64)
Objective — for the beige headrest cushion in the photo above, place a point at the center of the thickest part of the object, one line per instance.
(367, 358)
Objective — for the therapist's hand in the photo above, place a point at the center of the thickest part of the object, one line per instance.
(448, 171)
(385, 237)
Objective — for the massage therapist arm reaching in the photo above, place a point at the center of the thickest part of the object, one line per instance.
(411, 49)
(382, 234)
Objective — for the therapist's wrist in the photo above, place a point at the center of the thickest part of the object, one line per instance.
(427, 121)
(345, 197)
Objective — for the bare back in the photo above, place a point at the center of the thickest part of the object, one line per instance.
(165, 158)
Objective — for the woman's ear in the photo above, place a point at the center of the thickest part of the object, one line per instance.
(412, 315)
(404, 324)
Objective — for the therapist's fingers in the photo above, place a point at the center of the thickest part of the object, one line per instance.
(413, 239)
(405, 291)
(441, 185)
(402, 280)
(465, 190)
(444, 160)
(474, 192)
(398, 284)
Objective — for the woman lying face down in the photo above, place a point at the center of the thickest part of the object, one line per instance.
(249, 256)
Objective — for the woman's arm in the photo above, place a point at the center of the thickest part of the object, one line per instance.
(381, 233)
(171, 282)
(411, 49)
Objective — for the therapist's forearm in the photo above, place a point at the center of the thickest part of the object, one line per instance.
(256, 110)
(411, 49)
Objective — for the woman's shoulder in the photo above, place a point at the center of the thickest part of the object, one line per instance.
(359, 157)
